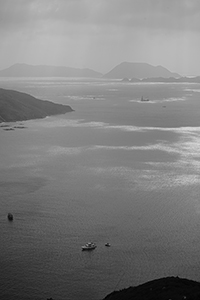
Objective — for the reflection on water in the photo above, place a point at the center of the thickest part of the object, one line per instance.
(112, 171)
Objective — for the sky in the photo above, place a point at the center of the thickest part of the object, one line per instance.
(100, 34)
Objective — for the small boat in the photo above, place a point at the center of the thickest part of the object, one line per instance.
(89, 246)
(107, 244)
(10, 217)
(143, 99)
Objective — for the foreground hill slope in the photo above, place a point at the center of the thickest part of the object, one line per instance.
(138, 70)
(25, 70)
(173, 288)
(17, 106)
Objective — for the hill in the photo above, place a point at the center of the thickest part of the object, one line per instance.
(17, 106)
(138, 70)
(173, 288)
(25, 70)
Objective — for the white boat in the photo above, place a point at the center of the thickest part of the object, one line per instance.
(89, 246)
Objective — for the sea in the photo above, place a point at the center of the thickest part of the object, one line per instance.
(115, 170)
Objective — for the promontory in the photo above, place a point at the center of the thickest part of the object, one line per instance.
(18, 106)
(167, 288)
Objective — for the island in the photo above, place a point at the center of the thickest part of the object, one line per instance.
(18, 106)
(25, 70)
(139, 70)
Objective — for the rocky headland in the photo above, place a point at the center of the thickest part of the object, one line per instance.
(17, 106)
(173, 288)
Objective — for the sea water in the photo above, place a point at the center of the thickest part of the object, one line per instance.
(115, 170)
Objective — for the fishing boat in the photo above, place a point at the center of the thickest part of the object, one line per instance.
(10, 217)
(143, 99)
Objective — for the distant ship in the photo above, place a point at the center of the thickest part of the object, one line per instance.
(143, 99)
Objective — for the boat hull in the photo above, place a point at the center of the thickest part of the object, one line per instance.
(89, 247)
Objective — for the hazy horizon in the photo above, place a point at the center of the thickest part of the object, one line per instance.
(60, 66)
(100, 34)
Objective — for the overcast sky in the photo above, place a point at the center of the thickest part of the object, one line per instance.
(99, 34)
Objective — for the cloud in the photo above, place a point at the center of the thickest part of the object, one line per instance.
(14, 13)
(118, 20)
(152, 14)
(99, 14)
(101, 33)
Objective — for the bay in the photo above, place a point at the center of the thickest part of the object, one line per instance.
(115, 170)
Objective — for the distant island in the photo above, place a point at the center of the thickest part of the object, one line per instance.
(173, 288)
(139, 71)
(25, 70)
(125, 69)
(17, 106)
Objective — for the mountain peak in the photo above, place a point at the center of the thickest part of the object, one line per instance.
(139, 70)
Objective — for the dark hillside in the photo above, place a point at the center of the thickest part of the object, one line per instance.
(173, 288)
(17, 106)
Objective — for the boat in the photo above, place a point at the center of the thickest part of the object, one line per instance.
(10, 217)
(89, 246)
(107, 244)
(143, 99)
